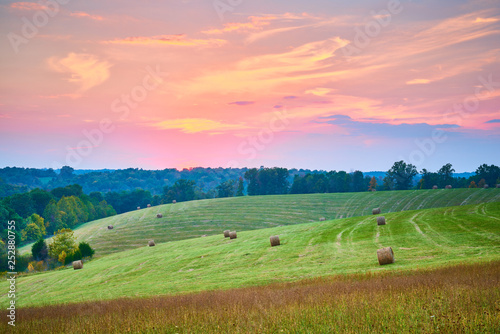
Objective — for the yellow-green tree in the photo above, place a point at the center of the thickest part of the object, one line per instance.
(63, 241)
(62, 257)
(31, 232)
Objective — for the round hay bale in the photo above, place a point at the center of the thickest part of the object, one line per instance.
(149, 205)
(381, 220)
(232, 235)
(498, 185)
(226, 233)
(376, 211)
(138, 208)
(434, 187)
(448, 187)
(159, 215)
(110, 227)
(77, 264)
(322, 219)
(486, 186)
(275, 240)
(385, 256)
(174, 201)
(151, 243)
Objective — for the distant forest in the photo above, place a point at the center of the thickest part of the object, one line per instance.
(45, 201)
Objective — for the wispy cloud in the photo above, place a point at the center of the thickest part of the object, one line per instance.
(27, 6)
(167, 40)
(254, 23)
(264, 72)
(319, 91)
(85, 70)
(418, 81)
(242, 103)
(194, 125)
(87, 15)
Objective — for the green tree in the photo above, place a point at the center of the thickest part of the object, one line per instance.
(253, 185)
(401, 174)
(40, 199)
(22, 204)
(66, 172)
(63, 241)
(31, 232)
(181, 191)
(358, 183)
(388, 183)
(70, 190)
(226, 189)
(53, 217)
(490, 174)
(446, 175)
(39, 250)
(40, 222)
(241, 187)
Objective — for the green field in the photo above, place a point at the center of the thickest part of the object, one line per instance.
(428, 238)
(456, 299)
(210, 217)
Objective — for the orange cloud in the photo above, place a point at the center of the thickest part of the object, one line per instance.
(85, 70)
(87, 15)
(486, 20)
(418, 81)
(162, 40)
(27, 6)
(194, 125)
(262, 73)
(256, 22)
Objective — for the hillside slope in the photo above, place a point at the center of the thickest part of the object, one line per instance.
(210, 217)
(419, 238)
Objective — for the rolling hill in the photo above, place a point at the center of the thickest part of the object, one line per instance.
(420, 239)
(210, 217)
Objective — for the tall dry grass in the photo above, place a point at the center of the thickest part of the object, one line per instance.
(459, 299)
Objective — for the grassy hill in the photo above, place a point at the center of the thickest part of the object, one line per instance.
(420, 239)
(210, 217)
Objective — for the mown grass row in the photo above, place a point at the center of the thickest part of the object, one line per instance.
(419, 238)
(457, 299)
(210, 217)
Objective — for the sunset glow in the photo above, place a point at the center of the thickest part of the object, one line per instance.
(316, 84)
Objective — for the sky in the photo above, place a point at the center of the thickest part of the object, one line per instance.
(318, 84)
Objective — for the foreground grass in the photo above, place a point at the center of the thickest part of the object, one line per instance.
(458, 299)
(210, 217)
(419, 238)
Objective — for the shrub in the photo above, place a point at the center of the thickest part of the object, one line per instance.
(85, 250)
